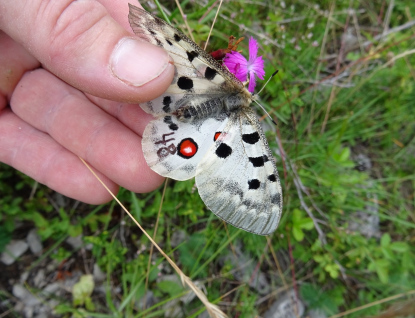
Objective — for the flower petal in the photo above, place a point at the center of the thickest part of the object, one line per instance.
(237, 64)
(257, 67)
(253, 49)
(235, 57)
(252, 82)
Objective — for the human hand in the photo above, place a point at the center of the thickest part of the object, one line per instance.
(70, 71)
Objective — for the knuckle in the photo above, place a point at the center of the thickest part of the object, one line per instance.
(77, 27)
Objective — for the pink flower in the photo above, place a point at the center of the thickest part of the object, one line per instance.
(238, 65)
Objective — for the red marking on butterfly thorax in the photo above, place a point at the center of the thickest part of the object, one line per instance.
(187, 148)
(232, 46)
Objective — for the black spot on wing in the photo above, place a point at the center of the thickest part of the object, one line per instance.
(223, 151)
(169, 122)
(177, 38)
(272, 178)
(191, 55)
(253, 184)
(160, 22)
(276, 199)
(166, 104)
(251, 138)
(173, 126)
(210, 73)
(169, 42)
(158, 42)
(257, 161)
(185, 83)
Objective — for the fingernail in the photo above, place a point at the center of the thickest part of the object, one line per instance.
(138, 62)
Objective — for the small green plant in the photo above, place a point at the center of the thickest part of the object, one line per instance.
(300, 223)
(82, 291)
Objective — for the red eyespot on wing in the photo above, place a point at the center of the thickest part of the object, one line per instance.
(187, 148)
(219, 136)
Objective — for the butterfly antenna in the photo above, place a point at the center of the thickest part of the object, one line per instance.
(262, 107)
(273, 74)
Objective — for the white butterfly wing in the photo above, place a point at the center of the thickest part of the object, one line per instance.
(197, 73)
(237, 178)
(174, 149)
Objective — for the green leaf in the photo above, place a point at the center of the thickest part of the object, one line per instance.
(170, 287)
(75, 230)
(385, 240)
(344, 154)
(352, 56)
(298, 233)
(316, 298)
(306, 223)
(89, 305)
(407, 261)
(82, 290)
(400, 247)
(39, 220)
(5, 237)
(388, 253)
(382, 273)
(296, 215)
(382, 263)
(333, 270)
(381, 267)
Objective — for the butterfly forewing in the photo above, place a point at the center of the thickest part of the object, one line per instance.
(222, 144)
(190, 60)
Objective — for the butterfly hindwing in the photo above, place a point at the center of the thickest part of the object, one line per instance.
(247, 194)
(174, 149)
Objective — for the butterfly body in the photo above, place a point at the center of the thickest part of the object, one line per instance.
(204, 127)
(197, 108)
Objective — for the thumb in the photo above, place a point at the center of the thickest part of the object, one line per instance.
(82, 44)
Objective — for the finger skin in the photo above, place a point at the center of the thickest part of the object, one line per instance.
(14, 62)
(118, 9)
(55, 108)
(40, 157)
(78, 41)
(130, 115)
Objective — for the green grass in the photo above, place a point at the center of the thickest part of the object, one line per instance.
(329, 109)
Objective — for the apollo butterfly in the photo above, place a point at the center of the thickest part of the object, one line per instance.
(204, 128)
